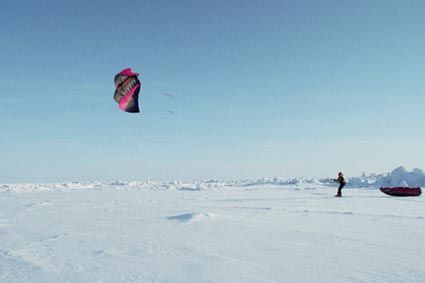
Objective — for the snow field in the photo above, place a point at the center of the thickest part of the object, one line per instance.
(256, 233)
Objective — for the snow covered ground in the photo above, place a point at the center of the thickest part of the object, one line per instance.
(263, 231)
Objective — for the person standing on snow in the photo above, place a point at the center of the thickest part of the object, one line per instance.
(341, 182)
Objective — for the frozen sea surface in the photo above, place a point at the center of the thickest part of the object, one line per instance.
(126, 232)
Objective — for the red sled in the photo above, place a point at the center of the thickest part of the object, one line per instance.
(401, 191)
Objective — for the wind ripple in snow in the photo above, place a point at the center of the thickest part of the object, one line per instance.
(359, 214)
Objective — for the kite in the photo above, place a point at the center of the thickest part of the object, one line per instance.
(127, 90)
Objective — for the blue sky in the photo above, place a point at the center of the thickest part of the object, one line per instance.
(259, 88)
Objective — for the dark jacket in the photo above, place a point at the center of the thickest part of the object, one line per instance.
(340, 180)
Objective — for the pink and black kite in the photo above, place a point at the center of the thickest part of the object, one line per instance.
(127, 90)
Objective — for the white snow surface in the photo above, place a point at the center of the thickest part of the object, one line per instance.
(398, 177)
(270, 230)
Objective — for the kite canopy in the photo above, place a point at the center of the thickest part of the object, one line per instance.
(127, 90)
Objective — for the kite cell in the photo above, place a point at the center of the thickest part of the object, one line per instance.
(127, 90)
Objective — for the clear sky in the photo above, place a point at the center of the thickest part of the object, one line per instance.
(256, 89)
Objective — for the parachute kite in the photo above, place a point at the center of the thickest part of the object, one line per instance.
(127, 90)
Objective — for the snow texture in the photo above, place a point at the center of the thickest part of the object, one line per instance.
(270, 230)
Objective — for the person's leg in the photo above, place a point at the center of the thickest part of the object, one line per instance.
(339, 190)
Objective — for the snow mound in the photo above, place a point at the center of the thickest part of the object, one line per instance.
(51, 186)
(194, 217)
(398, 177)
(401, 177)
(195, 185)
